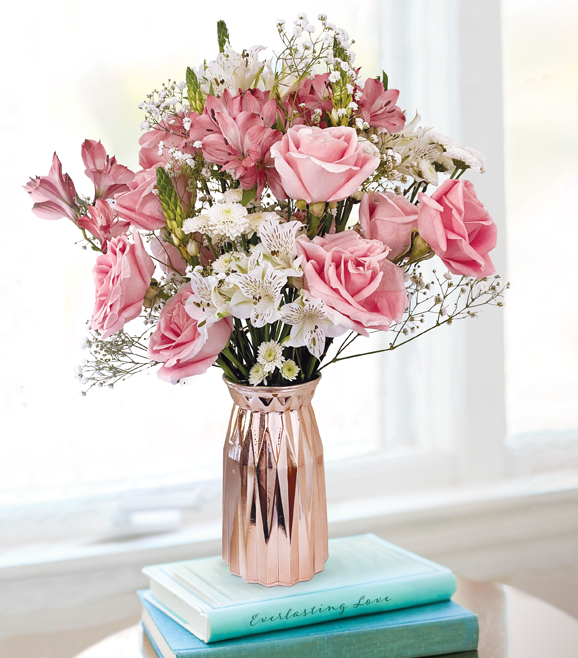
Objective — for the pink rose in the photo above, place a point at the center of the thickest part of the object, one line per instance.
(121, 277)
(109, 178)
(183, 346)
(353, 276)
(321, 164)
(102, 223)
(455, 224)
(389, 218)
(54, 196)
(141, 206)
(377, 107)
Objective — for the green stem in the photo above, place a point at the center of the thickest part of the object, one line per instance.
(225, 368)
(235, 361)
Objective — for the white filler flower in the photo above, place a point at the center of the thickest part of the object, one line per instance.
(270, 355)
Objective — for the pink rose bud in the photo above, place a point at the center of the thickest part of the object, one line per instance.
(454, 222)
(390, 218)
(121, 278)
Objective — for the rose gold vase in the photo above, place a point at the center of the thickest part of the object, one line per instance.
(274, 507)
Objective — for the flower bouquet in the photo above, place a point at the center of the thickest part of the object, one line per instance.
(282, 211)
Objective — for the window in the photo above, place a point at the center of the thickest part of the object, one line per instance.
(426, 416)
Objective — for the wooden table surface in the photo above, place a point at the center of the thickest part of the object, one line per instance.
(512, 625)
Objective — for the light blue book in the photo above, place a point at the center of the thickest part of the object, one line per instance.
(435, 629)
(364, 574)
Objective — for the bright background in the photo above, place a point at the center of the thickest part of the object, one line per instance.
(72, 70)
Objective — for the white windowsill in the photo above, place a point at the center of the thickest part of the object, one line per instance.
(485, 533)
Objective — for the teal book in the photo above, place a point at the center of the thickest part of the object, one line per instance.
(364, 574)
(434, 629)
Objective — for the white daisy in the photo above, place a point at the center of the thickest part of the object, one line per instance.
(257, 218)
(230, 262)
(199, 224)
(232, 196)
(257, 374)
(270, 355)
(289, 370)
(228, 220)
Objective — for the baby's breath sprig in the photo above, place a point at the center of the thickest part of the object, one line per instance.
(162, 107)
(453, 300)
(113, 359)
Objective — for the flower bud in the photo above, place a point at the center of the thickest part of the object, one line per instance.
(296, 282)
(357, 195)
(420, 249)
(301, 204)
(317, 208)
(152, 290)
(193, 248)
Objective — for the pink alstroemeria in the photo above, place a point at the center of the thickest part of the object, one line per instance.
(312, 94)
(140, 205)
(103, 223)
(377, 107)
(253, 100)
(109, 178)
(54, 195)
(178, 132)
(242, 147)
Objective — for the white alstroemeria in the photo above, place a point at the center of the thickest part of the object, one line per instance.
(278, 245)
(230, 262)
(311, 322)
(233, 71)
(227, 220)
(207, 300)
(270, 356)
(259, 294)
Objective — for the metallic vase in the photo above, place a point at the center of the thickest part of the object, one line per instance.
(274, 506)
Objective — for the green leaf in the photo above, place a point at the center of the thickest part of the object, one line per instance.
(222, 35)
(384, 80)
(249, 195)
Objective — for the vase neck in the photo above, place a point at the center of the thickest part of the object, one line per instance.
(265, 399)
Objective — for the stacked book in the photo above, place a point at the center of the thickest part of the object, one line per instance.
(372, 599)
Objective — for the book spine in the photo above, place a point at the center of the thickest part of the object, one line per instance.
(410, 640)
(258, 617)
